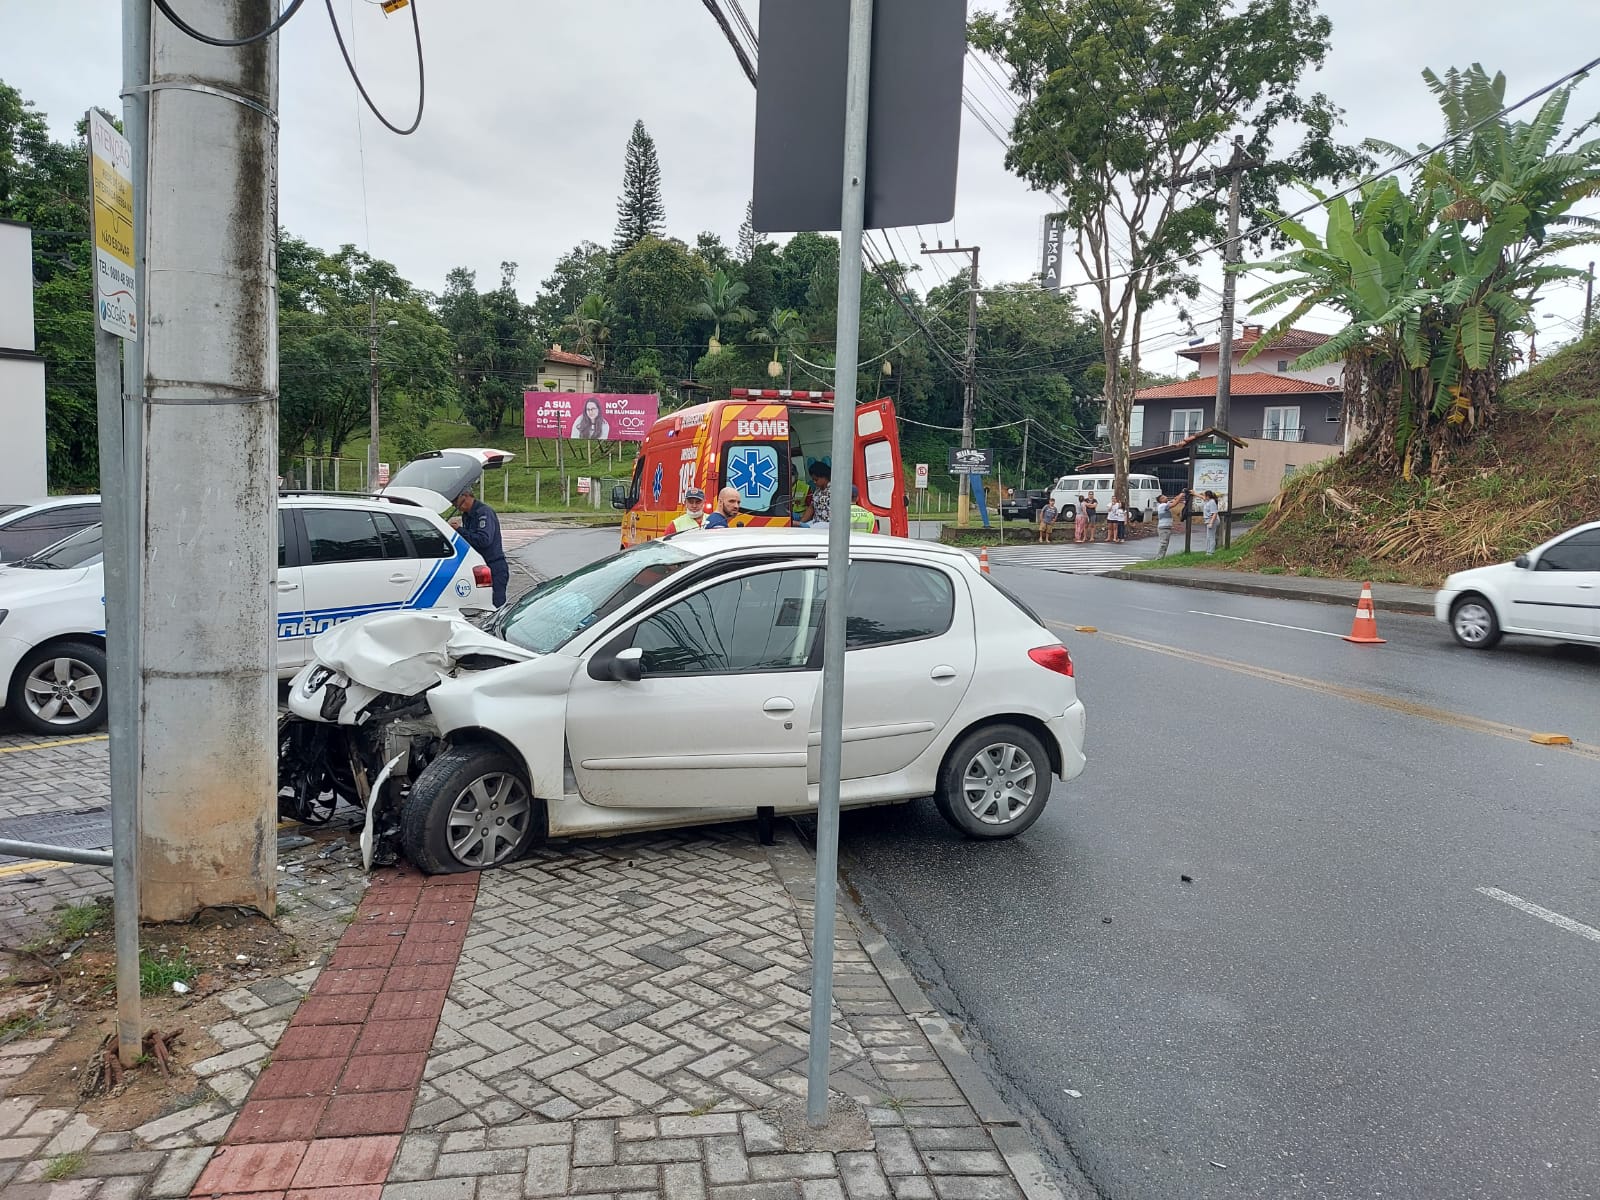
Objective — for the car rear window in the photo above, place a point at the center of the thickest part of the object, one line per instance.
(425, 536)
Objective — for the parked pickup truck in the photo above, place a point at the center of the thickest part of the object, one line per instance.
(1024, 506)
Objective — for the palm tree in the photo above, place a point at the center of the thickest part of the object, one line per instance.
(1437, 278)
(590, 324)
(723, 303)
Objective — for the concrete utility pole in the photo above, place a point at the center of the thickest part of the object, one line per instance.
(208, 650)
(372, 415)
(969, 400)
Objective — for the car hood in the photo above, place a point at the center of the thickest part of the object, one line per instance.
(1481, 576)
(19, 585)
(408, 652)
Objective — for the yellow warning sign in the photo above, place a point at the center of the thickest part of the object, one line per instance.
(111, 183)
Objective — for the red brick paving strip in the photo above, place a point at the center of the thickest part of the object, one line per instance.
(323, 1122)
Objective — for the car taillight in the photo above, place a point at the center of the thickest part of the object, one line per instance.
(481, 577)
(1052, 658)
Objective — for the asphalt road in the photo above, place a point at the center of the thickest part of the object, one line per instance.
(1331, 1008)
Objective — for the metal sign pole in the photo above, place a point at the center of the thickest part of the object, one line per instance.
(851, 217)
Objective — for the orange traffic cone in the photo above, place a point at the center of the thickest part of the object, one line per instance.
(983, 560)
(1364, 630)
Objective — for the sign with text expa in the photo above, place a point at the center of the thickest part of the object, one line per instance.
(588, 416)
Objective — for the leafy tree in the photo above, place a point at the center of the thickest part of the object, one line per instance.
(640, 211)
(657, 285)
(723, 301)
(1119, 102)
(710, 250)
(783, 332)
(749, 239)
(579, 273)
(498, 351)
(1436, 277)
(324, 318)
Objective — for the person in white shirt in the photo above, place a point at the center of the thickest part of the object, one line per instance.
(1115, 516)
(1213, 519)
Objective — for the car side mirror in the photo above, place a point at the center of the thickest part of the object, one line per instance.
(628, 665)
(619, 496)
(1521, 561)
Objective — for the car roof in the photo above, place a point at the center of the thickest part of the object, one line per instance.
(751, 539)
(351, 500)
(45, 502)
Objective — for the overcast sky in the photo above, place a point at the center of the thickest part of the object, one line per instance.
(529, 105)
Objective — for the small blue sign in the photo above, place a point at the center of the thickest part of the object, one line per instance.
(655, 484)
(463, 588)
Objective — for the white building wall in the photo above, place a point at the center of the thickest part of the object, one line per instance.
(22, 461)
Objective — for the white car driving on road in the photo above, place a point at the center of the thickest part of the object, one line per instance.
(678, 682)
(338, 557)
(1552, 591)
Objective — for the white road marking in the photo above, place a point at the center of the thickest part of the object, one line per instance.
(1252, 621)
(1544, 914)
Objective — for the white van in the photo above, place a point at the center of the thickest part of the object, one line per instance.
(1142, 493)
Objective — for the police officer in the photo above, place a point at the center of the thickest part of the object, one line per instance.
(695, 503)
(480, 525)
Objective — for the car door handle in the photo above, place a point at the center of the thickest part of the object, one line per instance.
(778, 706)
(943, 673)
(399, 577)
(285, 585)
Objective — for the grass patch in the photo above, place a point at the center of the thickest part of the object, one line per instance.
(1230, 556)
(12, 1026)
(80, 920)
(64, 1166)
(158, 972)
(1274, 570)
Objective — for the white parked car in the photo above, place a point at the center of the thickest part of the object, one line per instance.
(676, 683)
(338, 557)
(1142, 493)
(28, 528)
(1552, 591)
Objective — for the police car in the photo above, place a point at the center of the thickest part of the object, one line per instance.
(339, 557)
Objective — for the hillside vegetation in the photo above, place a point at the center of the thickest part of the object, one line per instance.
(1535, 474)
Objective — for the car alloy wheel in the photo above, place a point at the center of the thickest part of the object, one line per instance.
(998, 783)
(488, 820)
(63, 690)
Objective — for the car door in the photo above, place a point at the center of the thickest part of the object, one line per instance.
(294, 646)
(877, 466)
(356, 562)
(909, 659)
(1560, 596)
(719, 716)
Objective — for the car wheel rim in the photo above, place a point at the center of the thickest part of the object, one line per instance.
(1472, 623)
(999, 782)
(63, 691)
(488, 820)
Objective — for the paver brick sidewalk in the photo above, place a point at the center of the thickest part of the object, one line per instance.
(623, 1019)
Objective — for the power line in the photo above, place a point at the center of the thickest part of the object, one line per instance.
(422, 80)
(228, 43)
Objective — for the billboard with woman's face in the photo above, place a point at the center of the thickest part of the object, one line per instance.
(588, 416)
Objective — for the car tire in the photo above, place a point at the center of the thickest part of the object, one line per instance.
(77, 667)
(1004, 755)
(469, 810)
(1473, 622)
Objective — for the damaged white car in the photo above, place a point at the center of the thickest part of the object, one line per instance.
(678, 683)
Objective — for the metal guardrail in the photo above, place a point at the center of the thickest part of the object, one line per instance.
(67, 854)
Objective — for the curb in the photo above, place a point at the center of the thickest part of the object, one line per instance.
(1414, 608)
(1028, 1167)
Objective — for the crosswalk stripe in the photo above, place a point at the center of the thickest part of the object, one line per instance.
(1076, 559)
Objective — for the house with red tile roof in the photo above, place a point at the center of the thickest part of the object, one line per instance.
(564, 371)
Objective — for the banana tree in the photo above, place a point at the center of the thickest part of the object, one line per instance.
(784, 332)
(1436, 278)
(723, 302)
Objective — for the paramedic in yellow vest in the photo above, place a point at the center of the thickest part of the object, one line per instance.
(695, 502)
(862, 520)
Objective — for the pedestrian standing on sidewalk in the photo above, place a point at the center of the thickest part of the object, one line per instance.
(1080, 522)
(1047, 521)
(1164, 506)
(1091, 507)
(1115, 516)
(480, 526)
(1213, 520)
